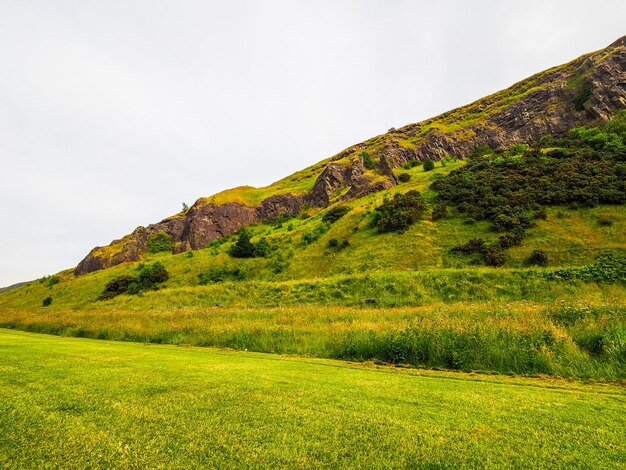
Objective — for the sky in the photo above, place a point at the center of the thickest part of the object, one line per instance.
(112, 114)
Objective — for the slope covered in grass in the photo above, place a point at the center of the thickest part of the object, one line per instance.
(100, 404)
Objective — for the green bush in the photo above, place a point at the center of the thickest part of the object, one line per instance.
(52, 280)
(507, 240)
(244, 248)
(412, 163)
(46, 302)
(582, 95)
(475, 245)
(404, 177)
(440, 211)
(315, 234)
(158, 242)
(262, 248)
(493, 257)
(334, 214)
(428, 165)
(148, 277)
(223, 272)
(607, 268)
(538, 258)
(399, 213)
(368, 161)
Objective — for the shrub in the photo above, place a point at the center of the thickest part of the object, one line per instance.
(607, 268)
(538, 258)
(223, 272)
(368, 161)
(52, 280)
(151, 275)
(148, 277)
(159, 241)
(280, 263)
(428, 164)
(46, 302)
(244, 248)
(440, 211)
(334, 214)
(507, 240)
(493, 257)
(333, 243)
(411, 164)
(475, 245)
(116, 286)
(400, 212)
(313, 235)
(404, 177)
(582, 95)
(262, 248)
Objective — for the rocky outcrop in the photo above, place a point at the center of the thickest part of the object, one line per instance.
(586, 91)
(280, 205)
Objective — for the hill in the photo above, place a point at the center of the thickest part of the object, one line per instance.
(586, 91)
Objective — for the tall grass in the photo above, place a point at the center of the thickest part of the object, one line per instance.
(569, 340)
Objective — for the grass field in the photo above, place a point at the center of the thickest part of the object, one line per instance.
(67, 402)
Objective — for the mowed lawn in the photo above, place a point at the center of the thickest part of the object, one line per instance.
(77, 403)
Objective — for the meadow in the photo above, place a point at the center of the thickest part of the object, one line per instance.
(581, 338)
(87, 403)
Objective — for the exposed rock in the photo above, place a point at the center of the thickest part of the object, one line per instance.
(542, 104)
(285, 205)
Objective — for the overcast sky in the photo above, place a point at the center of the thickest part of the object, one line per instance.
(112, 113)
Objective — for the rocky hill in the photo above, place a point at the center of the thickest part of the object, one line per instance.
(585, 91)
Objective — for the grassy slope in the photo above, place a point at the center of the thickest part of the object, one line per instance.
(569, 237)
(101, 403)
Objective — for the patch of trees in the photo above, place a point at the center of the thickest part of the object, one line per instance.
(400, 212)
(148, 277)
(512, 187)
(244, 248)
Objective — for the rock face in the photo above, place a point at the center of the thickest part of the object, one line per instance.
(587, 90)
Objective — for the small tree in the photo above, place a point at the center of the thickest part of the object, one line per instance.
(243, 247)
(46, 302)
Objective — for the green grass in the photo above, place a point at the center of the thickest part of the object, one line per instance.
(97, 404)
